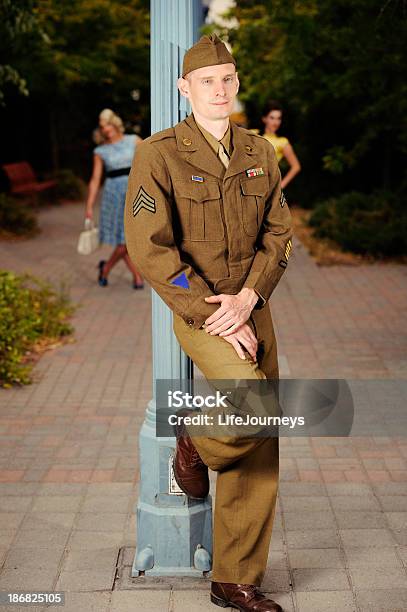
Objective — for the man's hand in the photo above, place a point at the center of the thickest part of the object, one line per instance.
(232, 313)
(243, 337)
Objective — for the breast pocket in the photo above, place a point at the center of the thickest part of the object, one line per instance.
(253, 193)
(200, 210)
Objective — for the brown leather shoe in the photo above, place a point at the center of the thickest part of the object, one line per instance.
(243, 597)
(190, 471)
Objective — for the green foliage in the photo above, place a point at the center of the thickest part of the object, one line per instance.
(30, 310)
(16, 218)
(102, 44)
(69, 186)
(90, 54)
(373, 224)
(338, 68)
(18, 29)
(337, 159)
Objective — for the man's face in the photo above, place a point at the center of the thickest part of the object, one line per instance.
(211, 90)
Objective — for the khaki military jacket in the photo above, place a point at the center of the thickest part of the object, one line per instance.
(194, 229)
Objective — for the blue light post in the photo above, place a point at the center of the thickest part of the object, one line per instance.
(174, 533)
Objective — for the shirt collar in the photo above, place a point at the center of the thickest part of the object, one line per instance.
(213, 141)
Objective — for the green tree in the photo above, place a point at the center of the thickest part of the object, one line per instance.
(18, 31)
(92, 42)
(338, 67)
(92, 54)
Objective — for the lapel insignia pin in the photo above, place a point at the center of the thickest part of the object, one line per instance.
(197, 179)
(255, 172)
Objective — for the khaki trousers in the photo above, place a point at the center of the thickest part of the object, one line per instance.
(248, 467)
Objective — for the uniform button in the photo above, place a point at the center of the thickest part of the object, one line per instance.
(249, 149)
(187, 142)
(190, 322)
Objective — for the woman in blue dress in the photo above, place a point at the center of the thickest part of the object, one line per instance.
(114, 157)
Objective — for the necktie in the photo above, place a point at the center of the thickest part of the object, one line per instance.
(223, 156)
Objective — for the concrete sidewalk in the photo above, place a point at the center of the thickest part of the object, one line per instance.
(68, 453)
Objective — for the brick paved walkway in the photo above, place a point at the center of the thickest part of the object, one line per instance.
(68, 456)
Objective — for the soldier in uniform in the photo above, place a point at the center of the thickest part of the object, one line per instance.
(207, 224)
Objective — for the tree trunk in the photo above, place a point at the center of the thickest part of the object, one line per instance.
(53, 123)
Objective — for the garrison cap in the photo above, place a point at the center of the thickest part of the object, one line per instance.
(208, 51)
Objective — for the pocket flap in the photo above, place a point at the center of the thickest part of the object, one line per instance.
(197, 191)
(257, 185)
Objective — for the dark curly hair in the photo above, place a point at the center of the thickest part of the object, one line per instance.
(271, 105)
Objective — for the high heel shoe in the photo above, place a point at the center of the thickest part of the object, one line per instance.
(138, 285)
(102, 280)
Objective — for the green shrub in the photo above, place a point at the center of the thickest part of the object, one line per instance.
(373, 224)
(69, 186)
(15, 218)
(31, 310)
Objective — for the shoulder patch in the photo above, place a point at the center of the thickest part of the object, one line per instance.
(143, 200)
(168, 133)
(249, 132)
(282, 199)
(181, 281)
(257, 135)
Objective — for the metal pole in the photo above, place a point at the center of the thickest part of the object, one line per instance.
(174, 533)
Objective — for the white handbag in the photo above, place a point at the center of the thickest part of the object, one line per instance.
(88, 239)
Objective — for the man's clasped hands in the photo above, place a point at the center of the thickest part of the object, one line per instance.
(229, 320)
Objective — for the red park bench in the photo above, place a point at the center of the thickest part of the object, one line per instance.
(23, 180)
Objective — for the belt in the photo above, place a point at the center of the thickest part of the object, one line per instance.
(118, 172)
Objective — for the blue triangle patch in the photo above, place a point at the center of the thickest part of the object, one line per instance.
(181, 281)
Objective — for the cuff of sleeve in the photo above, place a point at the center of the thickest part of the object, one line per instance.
(261, 287)
(261, 302)
(198, 312)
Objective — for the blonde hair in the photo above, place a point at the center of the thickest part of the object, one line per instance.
(110, 117)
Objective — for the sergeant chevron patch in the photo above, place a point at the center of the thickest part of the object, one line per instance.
(143, 200)
(282, 199)
(288, 249)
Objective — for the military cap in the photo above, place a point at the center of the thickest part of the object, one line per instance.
(208, 51)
